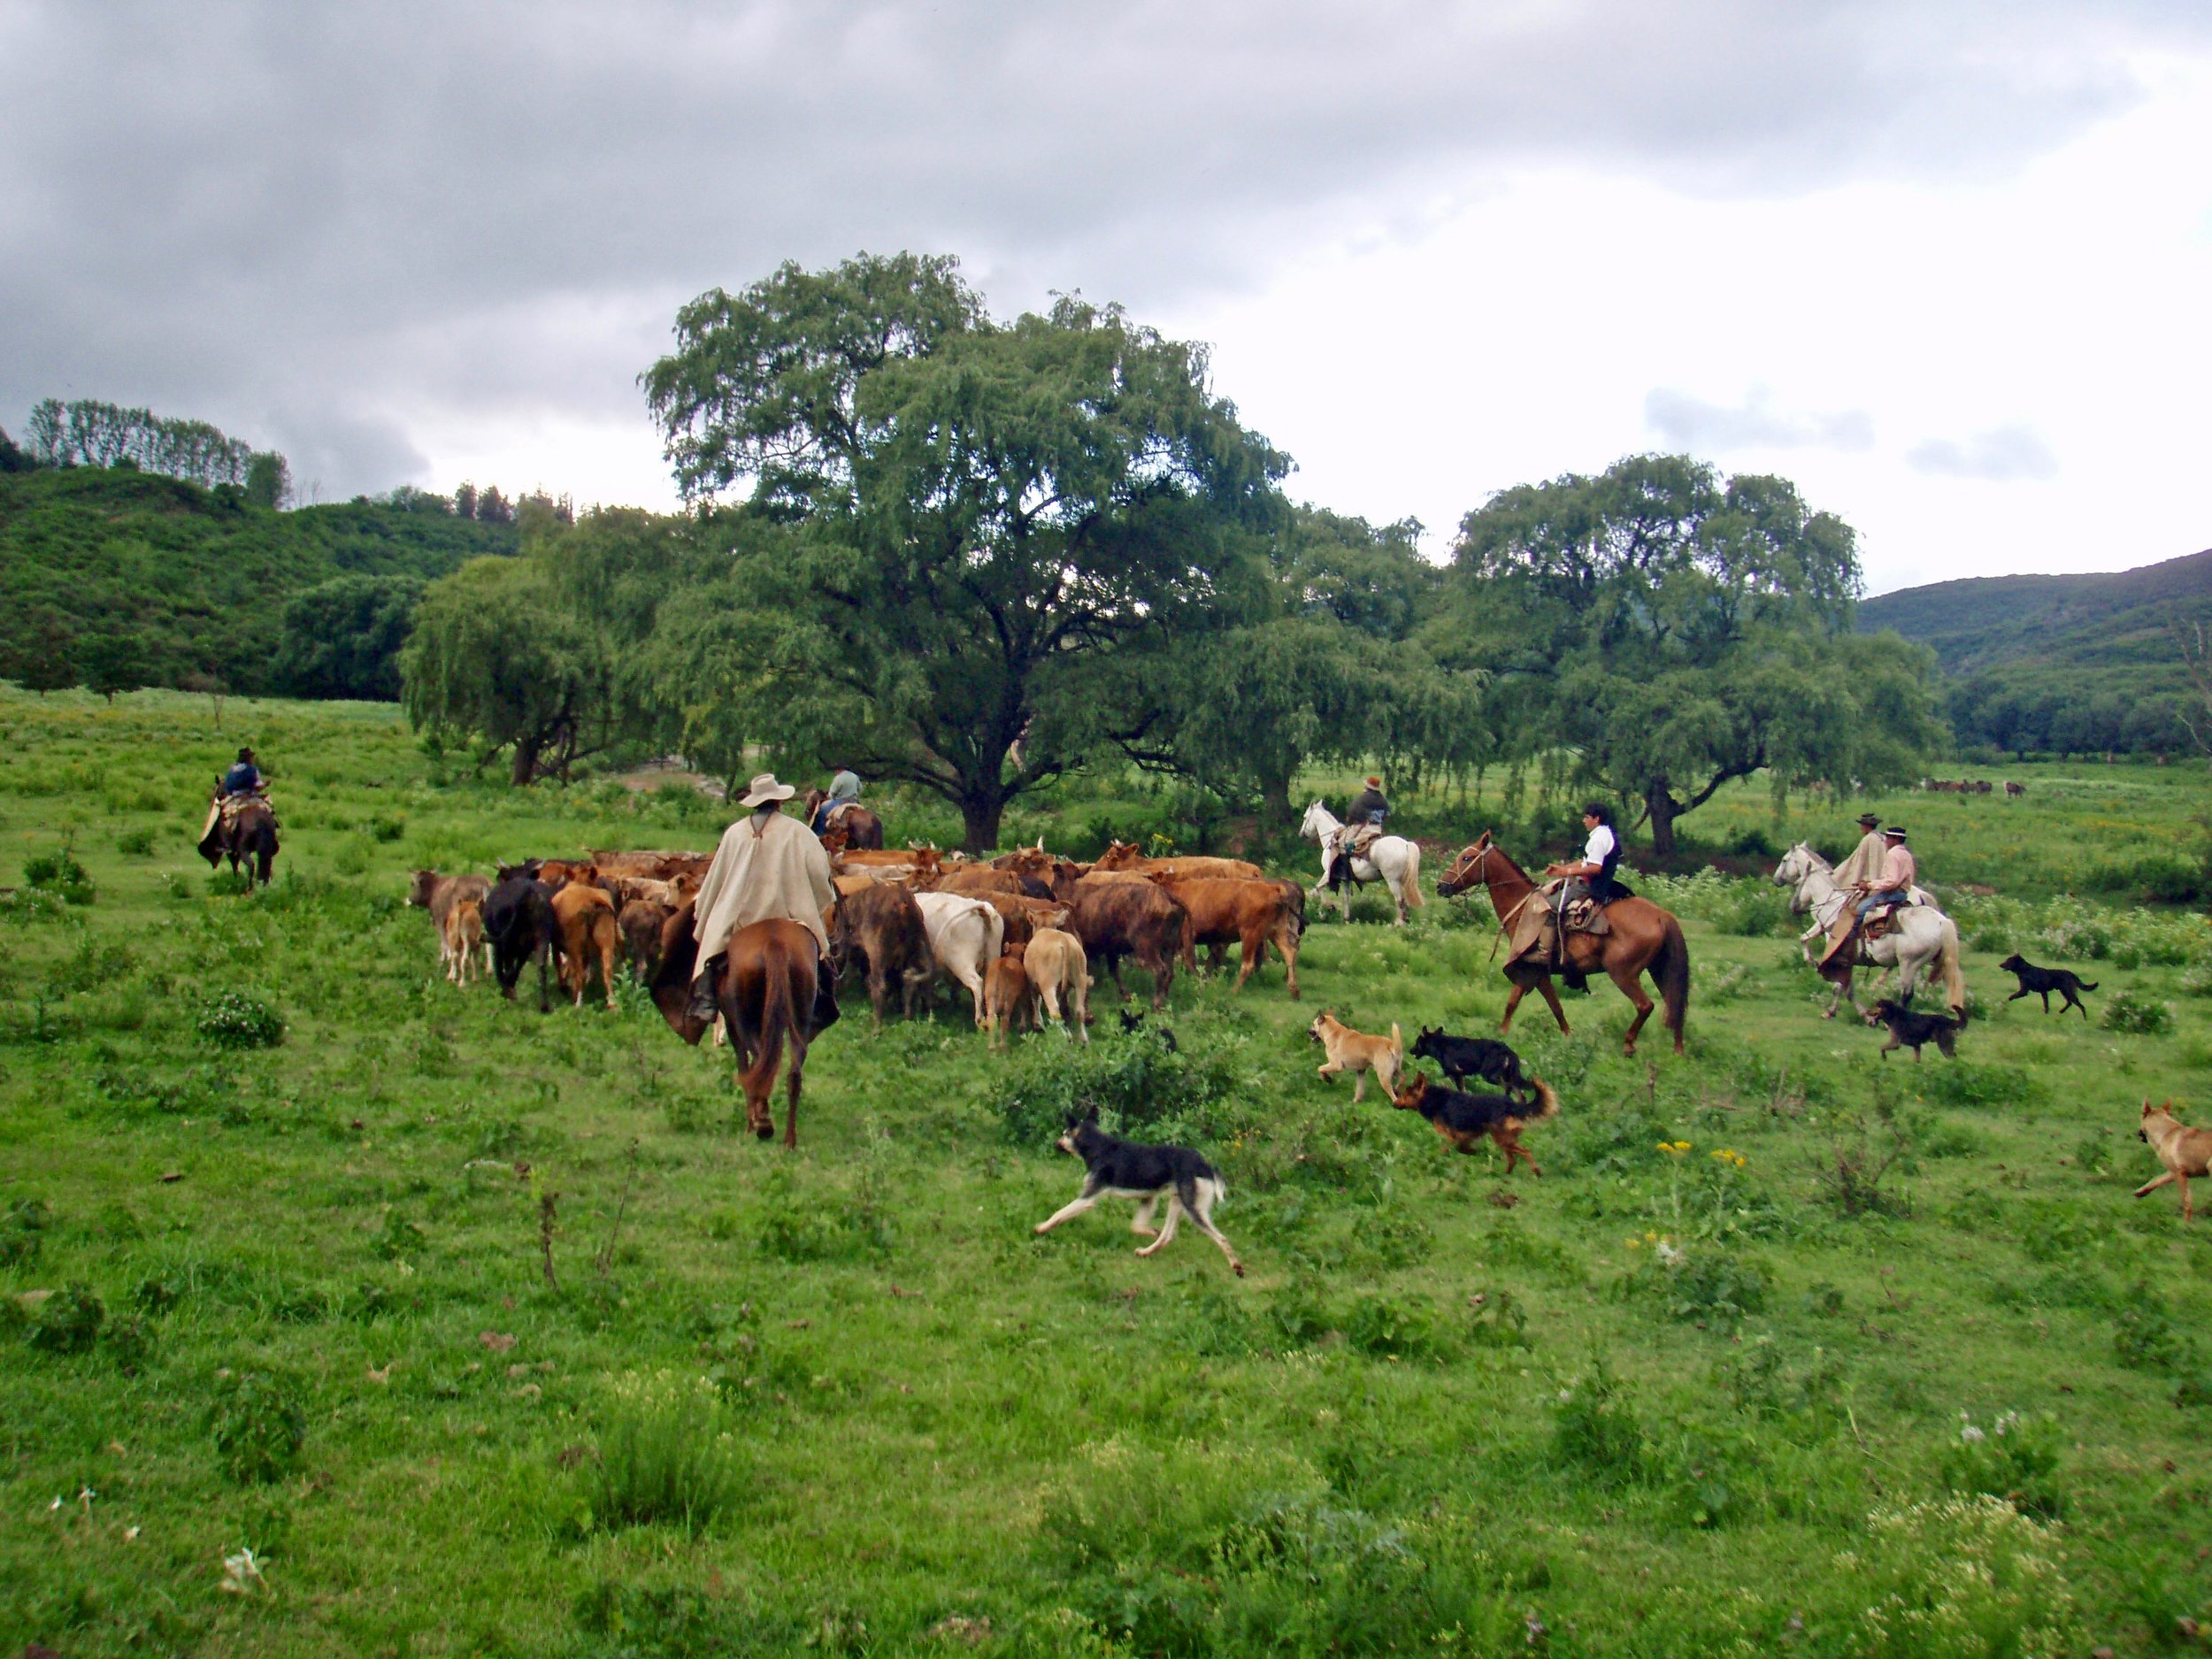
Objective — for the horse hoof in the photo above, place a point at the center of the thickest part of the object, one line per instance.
(763, 1135)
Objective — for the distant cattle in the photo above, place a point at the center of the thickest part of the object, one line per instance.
(463, 935)
(657, 866)
(430, 891)
(965, 935)
(882, 924)
(976, 883)
(1249, 914)
(519, 921)
(1126, 855)
(588, 930)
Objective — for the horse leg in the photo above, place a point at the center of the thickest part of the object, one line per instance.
(798, 1066)
(1629, 977)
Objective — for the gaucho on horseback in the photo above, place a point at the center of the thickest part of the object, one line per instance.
(1362, 824)
(769, 867)
(241, 822)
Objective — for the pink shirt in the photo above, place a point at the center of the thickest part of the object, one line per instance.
(1898, 872)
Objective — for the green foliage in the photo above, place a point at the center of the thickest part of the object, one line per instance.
(2135, 1012)
(1595, 1431)
(60, 871)
(23, 1230)
(1700, 1282)
(1130, 1081)
(69, 1321)
(342, 638)
(234, 1019)
(666, 1454)
(1957, 1578)
(1750, 907)
(2015, 1458)
(259, 1424)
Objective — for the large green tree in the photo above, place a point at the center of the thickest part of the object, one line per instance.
(956, 524)
(1678, 629)
(342, 638)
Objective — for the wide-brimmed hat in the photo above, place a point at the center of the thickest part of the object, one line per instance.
(1374, 783)
(764, 788)
(1895, 832)
(1870, 819)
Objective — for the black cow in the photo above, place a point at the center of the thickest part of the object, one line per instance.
(519, 921)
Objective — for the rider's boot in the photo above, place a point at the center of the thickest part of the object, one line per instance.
(703, 1007)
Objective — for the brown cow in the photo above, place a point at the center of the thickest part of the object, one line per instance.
(1116, 917)
(979, 884)
(1008, 995)
(1248, 914)
(653, 866)
(640, 923)
(587, 921)
(1058, 970)
(1126, 855)
(881, 922)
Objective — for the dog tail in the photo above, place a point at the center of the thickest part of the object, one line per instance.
(2087, 985)
(1397, 1042)
(1546, 1099)
(1947, 964)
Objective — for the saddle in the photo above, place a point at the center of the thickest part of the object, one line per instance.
(836, 815)
(1356, 844)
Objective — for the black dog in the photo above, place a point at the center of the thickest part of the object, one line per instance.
(1909, 1030)
(2045, 981)
(1131, 1022)
(1115, 1168)
(1460, 1058)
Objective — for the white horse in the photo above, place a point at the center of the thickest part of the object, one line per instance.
(1392, 860)
(1920, 936)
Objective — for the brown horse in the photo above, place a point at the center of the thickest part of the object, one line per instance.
(249, 839)
(863, 830)
(766, 994)
(1642, 939)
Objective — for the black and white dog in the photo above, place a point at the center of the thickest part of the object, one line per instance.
(1463, 1057)
(1115, 1168)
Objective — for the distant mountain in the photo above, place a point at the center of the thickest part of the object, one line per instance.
(2065, 663)
(186, 582)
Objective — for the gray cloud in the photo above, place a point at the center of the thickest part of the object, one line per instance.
(1684, 422)
(2001, 454)
(242, 210)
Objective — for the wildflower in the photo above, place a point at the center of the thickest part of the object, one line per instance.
(1681, 1146)
(1972, 1435)
(1635, 1243)
(242, 1573)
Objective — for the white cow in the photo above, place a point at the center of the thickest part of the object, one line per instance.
(965, 935)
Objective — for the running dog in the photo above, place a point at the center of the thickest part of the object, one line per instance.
(1130, 1023)
(1465, 1121)
(1909, 1030)
(1115, 1168)
(2183, 1150)
(1460, 1058)
(1356, 1052)
(2042, 981)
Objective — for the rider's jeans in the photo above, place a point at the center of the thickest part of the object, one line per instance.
(1888, 896)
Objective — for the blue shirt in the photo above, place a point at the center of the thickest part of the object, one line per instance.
(243, 778)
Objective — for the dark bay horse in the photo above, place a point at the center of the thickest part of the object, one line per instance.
(863, 830)
(249, 839)
(1642, 939)
(766, 994)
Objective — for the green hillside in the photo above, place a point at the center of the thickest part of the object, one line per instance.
(2067, 663)
(160, 579)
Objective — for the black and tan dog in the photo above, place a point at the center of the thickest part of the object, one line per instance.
(1115, 1168)
(1460, 1058)
(2185, 1152)
(1465, 1121)
(1909, 1030)
(2042, 981)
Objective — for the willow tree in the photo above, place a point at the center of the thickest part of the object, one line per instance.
(955, 522)
(1676, 630)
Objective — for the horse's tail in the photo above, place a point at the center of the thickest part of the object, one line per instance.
(778, 1015)
(1670, 969)
(1947, 964)
(1414, 901)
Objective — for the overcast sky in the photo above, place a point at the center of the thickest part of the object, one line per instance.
(1948, 265)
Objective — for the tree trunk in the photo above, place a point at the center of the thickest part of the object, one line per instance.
(980, 810)
(1664, 808)
(1275, 807)
(526, 759)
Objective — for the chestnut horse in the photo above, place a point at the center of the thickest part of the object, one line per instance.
(1642, 938)
(766, 994)
(863, 830)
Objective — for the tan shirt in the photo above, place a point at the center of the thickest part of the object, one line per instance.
(769, 867)
(1865, 862)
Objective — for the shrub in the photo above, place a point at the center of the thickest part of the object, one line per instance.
(1400, 1327)
(138, 843)
(1594, 1429)
(1704, 1282)
(60, 871)
(22, 1231)
(130, 1344)
(1127, 1080)
(1956, 1578)
(665, 1455)
(2134, 1012)
(258, 1426)
(69, 1321)
(229, 884)
(231, 1019)
(2014, 1458)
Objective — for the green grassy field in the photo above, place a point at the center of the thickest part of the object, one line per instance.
(487, 1332)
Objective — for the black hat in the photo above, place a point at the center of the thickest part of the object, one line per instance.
(245, 753)
(1895, 832)
(1870, 819)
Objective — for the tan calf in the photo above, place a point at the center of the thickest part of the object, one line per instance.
(463, 938)
(587, 920)
(1007, 996)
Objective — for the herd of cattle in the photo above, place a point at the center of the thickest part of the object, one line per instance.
(1972, 786)
(1020, 935)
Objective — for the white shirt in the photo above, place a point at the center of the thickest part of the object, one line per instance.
(1599, 846)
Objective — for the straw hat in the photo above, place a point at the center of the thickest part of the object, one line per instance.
(764, 788)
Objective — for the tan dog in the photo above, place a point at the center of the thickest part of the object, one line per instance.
(463, 936)
(2183, 1150)
(1008, 995)
(1356, 1052)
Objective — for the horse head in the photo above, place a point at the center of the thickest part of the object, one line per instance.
(1318, 822)
(1467, 869)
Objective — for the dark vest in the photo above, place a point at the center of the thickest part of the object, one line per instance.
(1363, 810)
(1604, 888)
